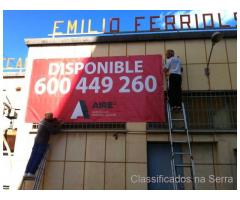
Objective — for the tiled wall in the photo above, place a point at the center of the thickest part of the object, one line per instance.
(96, 160)
(102, 161)
(193, 53)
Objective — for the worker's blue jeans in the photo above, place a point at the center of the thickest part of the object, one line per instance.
(37, 154)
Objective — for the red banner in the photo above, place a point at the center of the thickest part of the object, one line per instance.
(104, 89)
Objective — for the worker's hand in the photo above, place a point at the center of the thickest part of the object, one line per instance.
(60, 122)
(57, 121)
(167, 73)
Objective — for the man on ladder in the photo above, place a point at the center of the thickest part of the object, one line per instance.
(174, 69)
(47, 126)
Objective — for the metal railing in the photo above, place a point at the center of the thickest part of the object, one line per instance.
(96, 125)
(207, 110)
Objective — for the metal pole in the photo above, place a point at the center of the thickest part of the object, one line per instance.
(207, 68)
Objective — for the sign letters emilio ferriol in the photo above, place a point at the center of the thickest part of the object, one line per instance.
(171, 23)
(106, 89)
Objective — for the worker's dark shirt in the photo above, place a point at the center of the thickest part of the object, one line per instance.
(45, 129)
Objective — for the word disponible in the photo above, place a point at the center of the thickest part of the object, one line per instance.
(180, 179)
(108, 67)
(88, 82)
(154, 23)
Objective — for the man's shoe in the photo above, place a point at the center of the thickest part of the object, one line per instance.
(173, 108)
(29, 176)
(179, 108)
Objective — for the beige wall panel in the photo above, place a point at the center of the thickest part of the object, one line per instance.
(94, 176)
(184, 78)
(225, 146)
(73, 177)
(195, 51)
(136, 148)
(164, 83)
(95, 147)
(115, 176)
(232, 49)
(115, 148)
(133, 172)
(76, 146)
(204, 171)
(197, 80)
(100, 50)
(85, 51)
(153, 48)
(202, 153)
(53, 179)
(179, 137)
(219, 54)
(118, 49)
(178, 47)
(155, 137)
(28, 185)
(233, 74)
(228, 171)
(203, 138)
(136, 48)
(136, 127)
(57, 147)
(219, 77)
(67, 51)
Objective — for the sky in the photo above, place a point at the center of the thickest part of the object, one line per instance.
(18, 25)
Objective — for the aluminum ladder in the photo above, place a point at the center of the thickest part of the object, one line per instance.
(186, 141)
(39, 174)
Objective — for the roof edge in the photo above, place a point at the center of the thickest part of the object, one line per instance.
(135, 37)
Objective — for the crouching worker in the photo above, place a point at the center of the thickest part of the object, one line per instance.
(47, 126)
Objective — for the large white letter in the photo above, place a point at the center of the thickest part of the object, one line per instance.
(93, 68)
(53, 69)
(78, 67)
(119, 67)
(69, 68)
(138, 66)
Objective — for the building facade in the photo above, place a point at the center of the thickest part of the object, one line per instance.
(126, 155)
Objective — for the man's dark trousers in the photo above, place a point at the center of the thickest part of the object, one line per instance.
(175, 90)
(37, 154)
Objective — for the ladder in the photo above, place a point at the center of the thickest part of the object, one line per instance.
(39, 174)
(173, 130)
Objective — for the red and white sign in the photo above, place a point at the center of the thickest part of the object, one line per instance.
(104, 89)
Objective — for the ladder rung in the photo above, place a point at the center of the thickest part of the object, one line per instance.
(179, 130)
(181, 153)
(183, 165)
(177, 119)
(179, 110)
(179, 141)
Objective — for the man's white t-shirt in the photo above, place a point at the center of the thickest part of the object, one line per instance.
(173, 64)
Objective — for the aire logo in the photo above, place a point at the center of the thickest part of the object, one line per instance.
(80, 110)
